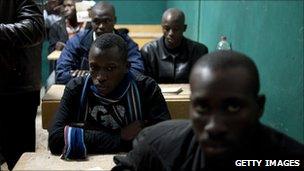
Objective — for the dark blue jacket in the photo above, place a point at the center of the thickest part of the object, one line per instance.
(75, 55)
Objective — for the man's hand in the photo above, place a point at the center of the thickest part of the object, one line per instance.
(130, 131)
(79, 73)
(59, 46)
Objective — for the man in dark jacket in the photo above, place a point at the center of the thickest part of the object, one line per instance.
(225, 110)
(65, 28)
(74, 56)
(170, 58)
(111, 105)
(21, 34)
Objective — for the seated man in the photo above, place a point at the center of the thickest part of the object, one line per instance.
(170, 58)
(111, 105)
(74, 56)
(65, 28)
(224, 126)
(51, 13)
(61, 31)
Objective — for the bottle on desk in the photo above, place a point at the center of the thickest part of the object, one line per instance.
(223, 44)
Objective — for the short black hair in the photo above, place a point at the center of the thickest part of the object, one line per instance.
(109, 40)
(228, 59)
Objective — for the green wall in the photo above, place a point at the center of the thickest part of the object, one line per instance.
(271, 32)
(139, 12)
(191, 10)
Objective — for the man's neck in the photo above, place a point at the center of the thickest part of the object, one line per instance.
(174, 50)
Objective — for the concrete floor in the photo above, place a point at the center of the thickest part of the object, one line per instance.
(41, 134)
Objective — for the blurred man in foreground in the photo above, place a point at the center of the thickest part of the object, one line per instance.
(224, 127)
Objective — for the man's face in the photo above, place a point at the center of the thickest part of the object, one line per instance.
(173, 31)
(103, 20)
(223, 109)
(69, 9)
(107, 69)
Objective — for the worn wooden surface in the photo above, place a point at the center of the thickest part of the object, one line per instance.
(178, 104)
(47, 161)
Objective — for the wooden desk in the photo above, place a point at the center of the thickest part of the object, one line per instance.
(47, 161)
(142, 33)
(178, 104)
(54, 55)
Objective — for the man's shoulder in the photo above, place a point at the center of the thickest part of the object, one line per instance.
(84, 33)
(166, 133)
(76, 84)
(82, 39)
(141, 78)
(284, 145)
(196, 45)
(144, 82)
(154, 44)
(167, 139)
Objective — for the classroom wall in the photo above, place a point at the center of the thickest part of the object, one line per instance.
(139, 12)
(271, 32)
(192, 16)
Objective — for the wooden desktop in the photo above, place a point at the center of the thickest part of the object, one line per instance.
(47, 161)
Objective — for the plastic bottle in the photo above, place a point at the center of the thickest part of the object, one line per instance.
(223, 44)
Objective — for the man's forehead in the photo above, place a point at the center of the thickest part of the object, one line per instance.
(206, 76)
(102, 11)
(173, 19)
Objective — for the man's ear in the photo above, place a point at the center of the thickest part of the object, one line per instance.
(185, 27)
(261, 99)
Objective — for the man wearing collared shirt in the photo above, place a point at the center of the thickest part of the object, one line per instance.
(170, 58)
(74, 56)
